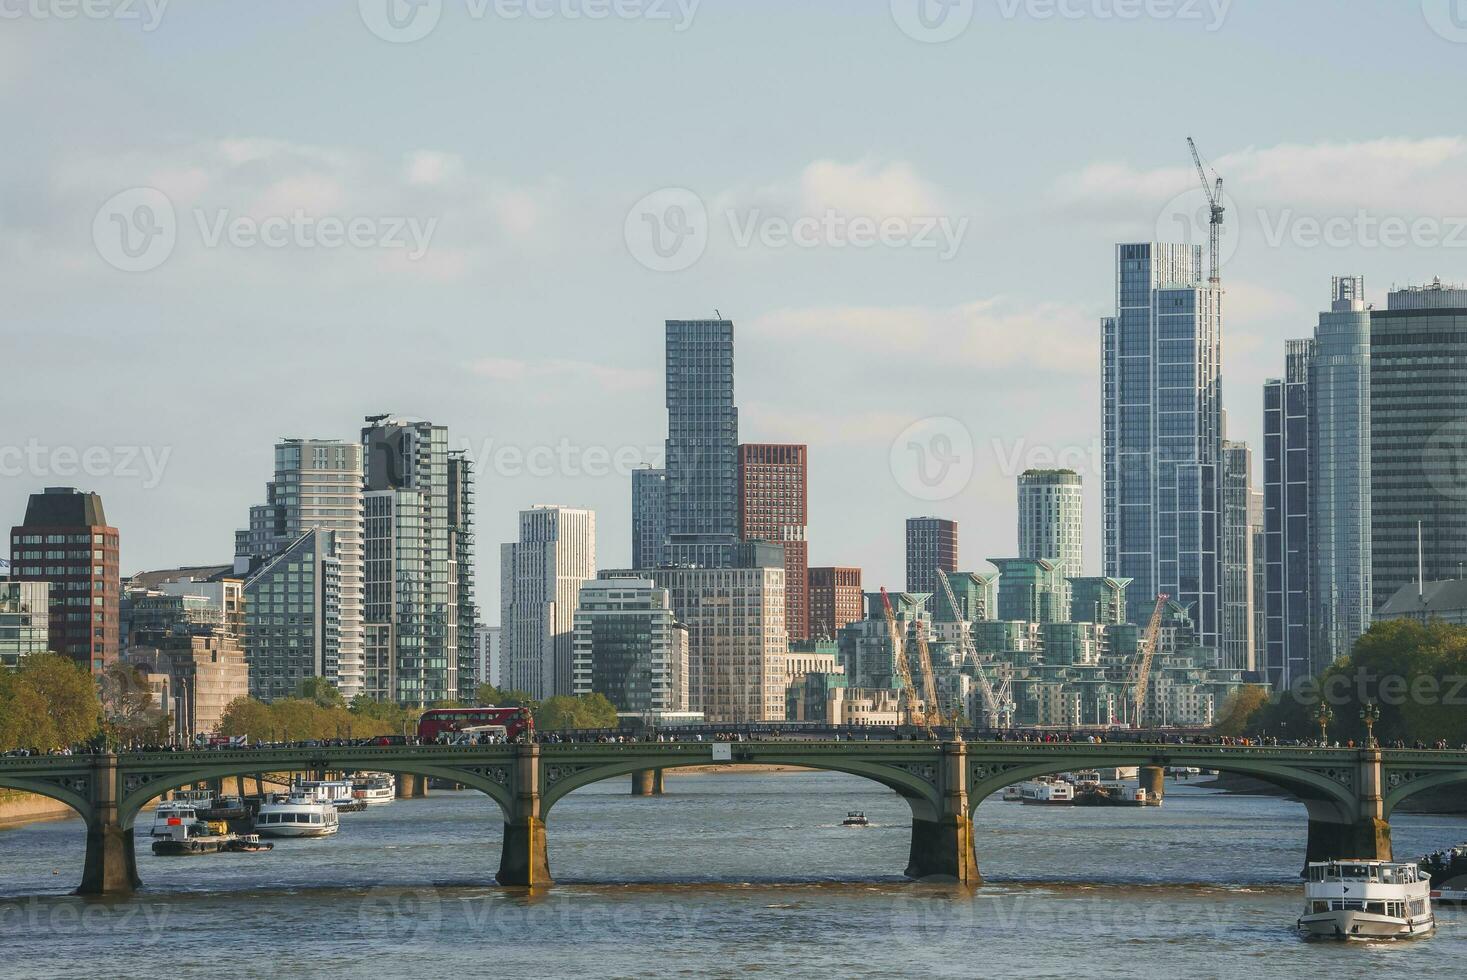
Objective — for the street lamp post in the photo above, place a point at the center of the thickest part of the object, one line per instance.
(1370, 714)
(1323, 715)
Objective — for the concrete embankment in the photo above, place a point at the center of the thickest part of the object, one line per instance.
(18, 809)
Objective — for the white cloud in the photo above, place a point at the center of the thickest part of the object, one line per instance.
(862, 188)
(558, 373)
(432, 167)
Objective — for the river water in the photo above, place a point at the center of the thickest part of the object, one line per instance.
(727, 875)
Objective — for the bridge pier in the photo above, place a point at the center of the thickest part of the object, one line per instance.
(411, 786)
(647, 782)
(111, 865)
(942, 849)
(524, 860)
(1153, 780)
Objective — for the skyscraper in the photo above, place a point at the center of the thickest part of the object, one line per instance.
(1051, 518)
(702, 444)
(461, 550)
(1286, 517)
(1162, 405)
(1418, 436)
(932, 544)
(649, 516)
(835, 600)
(1339, 492)
(630, 647)
(65, 540)
(540, 581)
(774, 507)
(413, 554)
(292, 613)
(1238, 650)
(318, 484)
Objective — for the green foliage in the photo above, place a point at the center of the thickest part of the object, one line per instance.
(563, 713)
(301, 719)
(489, 696)
(48, 702)
(1239, 709)
(322, 692)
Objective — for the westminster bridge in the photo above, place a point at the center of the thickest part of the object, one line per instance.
(1349, 793)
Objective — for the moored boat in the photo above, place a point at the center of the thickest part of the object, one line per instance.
(374, 788)
(855, 819)
(188, 839)
(1448, 871)
(298, 814)
(1047, 792)
(1366, 900)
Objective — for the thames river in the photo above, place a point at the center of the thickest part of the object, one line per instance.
(727, 875)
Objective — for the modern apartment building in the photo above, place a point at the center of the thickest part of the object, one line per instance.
(1286, 493)
(1098, 600)
(774, 506)
(540, 582)
(702, 444)
(932, 544)
(1051, 518)
(25, 620)
(1162, 420)
(1031, 589)
(318, 485)
(414, 556)
(66, 541)
(835, 600)
(629, 646)
(292, 613)
(461, 549)
(1418, 437)
(649, 516)
(1238, 644)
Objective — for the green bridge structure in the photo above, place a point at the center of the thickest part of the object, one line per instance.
(1349, 793)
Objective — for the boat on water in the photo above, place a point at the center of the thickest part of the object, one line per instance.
(298, 814)
(855, 819)
(374, 788)
(1366, 900)
(1113, 793)
(340, 793)
(1448, 871)
(1047, 792)
(1014, 793)
(172, 813)
(198, 837)
(247, 844)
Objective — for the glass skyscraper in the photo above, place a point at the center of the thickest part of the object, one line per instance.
(702, 444)
(1239, 644)
(1162, 397)
(1339, 492)
(649, 517)
(1418, 432)
(1286, 480)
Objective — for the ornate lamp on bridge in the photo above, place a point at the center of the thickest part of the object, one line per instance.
(1323, 715)
(1370, 714)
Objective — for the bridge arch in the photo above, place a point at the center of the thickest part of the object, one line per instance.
(921, 795)
(1415, 783)
(78, 800)
(138, 789)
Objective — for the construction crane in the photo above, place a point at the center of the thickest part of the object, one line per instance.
(1214, 194)
(931, 714)
(899, 660)
(966, 648)
(1140, 680)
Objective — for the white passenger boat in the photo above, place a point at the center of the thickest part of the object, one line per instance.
(299, 814)
(1047, 792)
(1014, 793)
(337, 792)
(1367, 900)
(374, 788)
(170, 814)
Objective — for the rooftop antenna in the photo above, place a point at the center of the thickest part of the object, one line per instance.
(1214, 195)
(717, 314)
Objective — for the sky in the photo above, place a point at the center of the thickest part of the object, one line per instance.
(226, 223)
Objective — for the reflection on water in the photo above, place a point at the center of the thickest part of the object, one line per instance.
(727, 874)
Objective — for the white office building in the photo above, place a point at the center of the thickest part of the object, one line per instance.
(540, 582)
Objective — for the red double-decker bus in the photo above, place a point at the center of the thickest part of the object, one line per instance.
(439, 721)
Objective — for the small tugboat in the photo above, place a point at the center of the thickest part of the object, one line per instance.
(172, 813)
(247, 844)
(855, 819)
(191, 838)
(1448, 871)
(1366, 900)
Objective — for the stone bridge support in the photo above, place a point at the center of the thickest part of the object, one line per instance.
(1364, 833)
(647, 782)
(1153, 780)
(411, 786)
(524, 860)
(111, 865)
(942, 848)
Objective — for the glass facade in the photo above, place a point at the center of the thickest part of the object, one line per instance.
(629, 646)
(1339, 494)
(702, 444)
(1238, 650)
(1051, 518)
(24, 620)
(932, 544)
(1418, 432)
(1162, 400)
(649, 517)
(293, 618)
(1286, 482)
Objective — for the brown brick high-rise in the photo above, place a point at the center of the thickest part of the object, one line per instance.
(66, 541)
(774, 506)
(835, 600)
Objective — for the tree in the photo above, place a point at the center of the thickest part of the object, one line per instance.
(564, 713)
(129, 708)
(322, 692)
(1239, 709)
(69, 694)
(24, 720)
(248, 717)
(487, 695)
